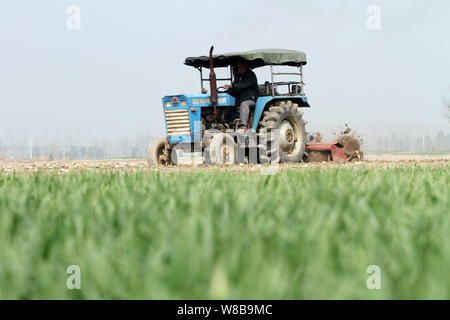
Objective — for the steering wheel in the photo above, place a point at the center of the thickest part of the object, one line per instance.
(221, 91)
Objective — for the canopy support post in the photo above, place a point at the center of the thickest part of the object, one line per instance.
(231, 74)
(202, 90)
(301, 79)
(271, 77)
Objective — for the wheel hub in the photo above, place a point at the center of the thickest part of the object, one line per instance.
(225, 153)
(287, 135)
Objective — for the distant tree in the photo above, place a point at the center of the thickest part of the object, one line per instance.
(443, 141)
(447, 142)
(446, 107)
(386, 144)
(3, 150)
(37, 152)
(440, 141)
(378, 144)
(407, 144)
(83, 152)
(428, 144)
(419, 144)
(72, 153)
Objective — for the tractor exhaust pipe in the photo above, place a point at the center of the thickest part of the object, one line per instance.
(213, 83)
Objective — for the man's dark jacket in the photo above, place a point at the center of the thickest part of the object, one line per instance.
(245, 87)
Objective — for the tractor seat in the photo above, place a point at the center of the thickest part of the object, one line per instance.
(266, 89)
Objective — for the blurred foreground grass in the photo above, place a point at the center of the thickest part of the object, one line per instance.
(305, 234)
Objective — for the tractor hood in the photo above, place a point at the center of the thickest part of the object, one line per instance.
(194, 100)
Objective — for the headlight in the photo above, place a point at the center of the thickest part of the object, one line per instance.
(184, 103)
(168, 104)
(222, 100)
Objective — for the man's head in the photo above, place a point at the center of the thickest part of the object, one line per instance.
(242, 67)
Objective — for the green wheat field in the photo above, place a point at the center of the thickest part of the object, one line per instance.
(298, 234)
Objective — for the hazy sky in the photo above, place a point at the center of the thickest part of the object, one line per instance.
(107, 79)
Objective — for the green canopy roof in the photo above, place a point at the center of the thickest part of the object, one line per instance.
(255, 58)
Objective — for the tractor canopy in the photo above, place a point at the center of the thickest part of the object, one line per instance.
(255, 58)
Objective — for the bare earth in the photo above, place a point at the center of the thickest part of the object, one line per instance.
(8, 166)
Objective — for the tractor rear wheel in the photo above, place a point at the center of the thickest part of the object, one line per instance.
(155, 153)
(282, 134)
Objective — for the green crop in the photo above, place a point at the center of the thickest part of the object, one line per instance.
(298, 234)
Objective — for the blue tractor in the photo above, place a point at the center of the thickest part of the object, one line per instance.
(200, 127)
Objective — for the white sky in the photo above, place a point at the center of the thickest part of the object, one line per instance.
(107, 79)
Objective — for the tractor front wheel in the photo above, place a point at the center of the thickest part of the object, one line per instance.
(223, 149)
(155, 153)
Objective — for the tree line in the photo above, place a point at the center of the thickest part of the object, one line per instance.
(136, 147)
(423, 143)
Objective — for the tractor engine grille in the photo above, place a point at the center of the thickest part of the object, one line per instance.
(178, 122)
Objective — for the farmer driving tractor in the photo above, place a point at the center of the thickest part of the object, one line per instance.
(245, 90)
(275, 117)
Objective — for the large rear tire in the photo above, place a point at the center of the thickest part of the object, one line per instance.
(155, 153)
(284, 121)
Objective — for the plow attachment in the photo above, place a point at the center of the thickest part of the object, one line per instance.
(330, 151)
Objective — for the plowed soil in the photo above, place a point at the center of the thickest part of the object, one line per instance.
(8, 166)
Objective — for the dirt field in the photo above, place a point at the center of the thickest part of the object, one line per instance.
(132, 165)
